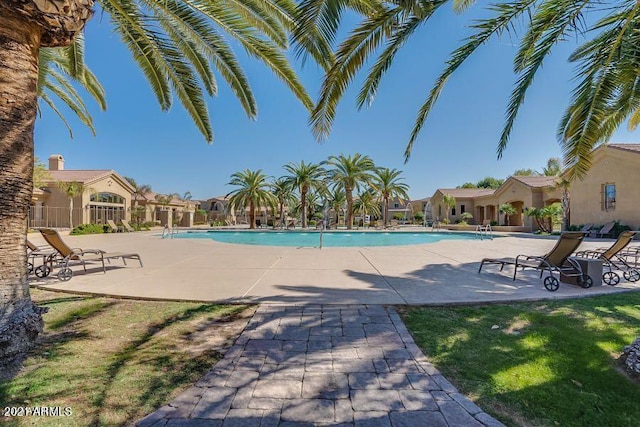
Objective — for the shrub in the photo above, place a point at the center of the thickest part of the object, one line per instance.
(90, 229)
(317, 216)
(418, 216)
(619, 228)
(398, 216)
(494, 223)
(445, 221)
(312, 223)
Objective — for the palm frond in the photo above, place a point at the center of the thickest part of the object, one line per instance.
(506, 14)
(581, 127)
(384, 61)
(549, 25)
(44, 97)
(350, 57)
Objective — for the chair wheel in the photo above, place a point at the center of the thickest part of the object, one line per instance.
(551, 283)
(632, 275)
(29, 268)
(610, 278)
(585, 281)
(42, 271)
(65, 274)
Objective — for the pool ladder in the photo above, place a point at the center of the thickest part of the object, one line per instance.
(483, 231)
(168, 233)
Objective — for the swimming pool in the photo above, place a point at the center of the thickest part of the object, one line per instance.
(330, 239)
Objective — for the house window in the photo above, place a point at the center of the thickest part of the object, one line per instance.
(107, 198)
(453, 211)
(396, 205)
(609, 197)
(461, 209)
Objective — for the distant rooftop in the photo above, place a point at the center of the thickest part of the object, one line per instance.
(628, 147)
(78, 175)
(467, 192)
(536, 181)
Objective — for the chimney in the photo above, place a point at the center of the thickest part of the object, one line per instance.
(56, 162)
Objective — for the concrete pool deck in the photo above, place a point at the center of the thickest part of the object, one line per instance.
(322, 349)
(444, 272)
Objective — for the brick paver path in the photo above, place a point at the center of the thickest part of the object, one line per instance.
(322, 365)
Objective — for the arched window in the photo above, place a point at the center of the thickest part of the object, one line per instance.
(107, 198)
(104, 206)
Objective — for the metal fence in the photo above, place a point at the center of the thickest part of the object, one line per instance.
(50, 217)
(54, 217)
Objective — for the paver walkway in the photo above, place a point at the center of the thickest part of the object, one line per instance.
(351, 365)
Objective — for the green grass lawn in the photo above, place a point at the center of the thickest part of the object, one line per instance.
(547, 364)
(112, 361)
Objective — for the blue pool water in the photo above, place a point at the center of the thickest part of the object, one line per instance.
(335, 239)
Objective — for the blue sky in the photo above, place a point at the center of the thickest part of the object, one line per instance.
(457, 144)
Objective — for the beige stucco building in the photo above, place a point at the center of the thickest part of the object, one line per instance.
(521, 192)
(106, 195)
(164, 209)
(610, 190)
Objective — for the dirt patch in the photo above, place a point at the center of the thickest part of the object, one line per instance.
(217, 334)
(517, 327)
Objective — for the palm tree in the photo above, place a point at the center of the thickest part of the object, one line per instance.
(605, 94)
(387, 183)
(337, 201)
(72, 190)
(56, 67)
(304, 177)
(177, 44)
(348, 173)
(507, 209)
(139, 191)
(283, 192)
(367, 203)
(553, 168)
(449, 202)
(40, 173)
(253, 191)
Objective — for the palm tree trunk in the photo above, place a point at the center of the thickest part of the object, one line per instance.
(386, 211)
(303, 207)
(20, 319)
(25, 26)
(252, 215)
(70, 213)
(349, 219)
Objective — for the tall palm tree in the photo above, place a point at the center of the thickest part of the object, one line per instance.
(367, 203)
(349, 173)
(606, 91)
(507, 209)
(449, 202)
(337, 201)
(553, 167)
(304, 177)
(389, 186)
(40, 173)
(177, 44)
(252, 191)
(283, 192)
(72, 189)
(139, 191)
